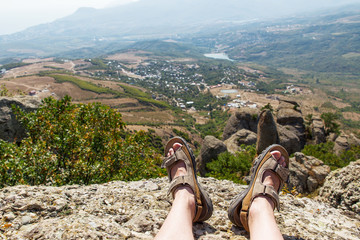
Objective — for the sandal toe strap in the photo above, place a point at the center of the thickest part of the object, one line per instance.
(179, 155)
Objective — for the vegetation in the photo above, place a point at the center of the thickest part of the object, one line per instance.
(324, 152)
(14, 65)
(215, 125)
(232, 167)
(76, 144)
(330, 124)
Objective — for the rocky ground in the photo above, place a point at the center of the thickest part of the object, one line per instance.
(136, 210)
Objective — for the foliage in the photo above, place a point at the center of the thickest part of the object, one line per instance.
(215, 125)
(232, 167)
(324, 152)
(329, 121)
(76, 143)
(268, 106)
(14, 65)
(88, 86)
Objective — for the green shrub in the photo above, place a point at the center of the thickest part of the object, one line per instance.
(182, 134)
(76, 143)
(324, 152)
(232, 167)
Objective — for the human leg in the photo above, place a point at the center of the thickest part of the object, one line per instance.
(191, 202)
(253, 208)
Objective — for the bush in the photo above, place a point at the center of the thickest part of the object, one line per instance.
(324, 152)
(76, 143)
(232, 167)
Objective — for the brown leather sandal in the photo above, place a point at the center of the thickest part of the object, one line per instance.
(239, 207)
(203, 204)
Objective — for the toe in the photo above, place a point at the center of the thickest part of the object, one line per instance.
(276, 154)
(171, 152)
(176, 146)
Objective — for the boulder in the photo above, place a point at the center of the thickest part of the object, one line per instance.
(307, 173)
(288, 139)
(318, 130)
(210, 149)
(243, 136)
(10, 129)
(289, 114)
(341, 144)
(342, 188)
(267, 133)
(243, 119)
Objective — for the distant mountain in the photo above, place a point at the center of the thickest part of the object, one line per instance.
(145, 19)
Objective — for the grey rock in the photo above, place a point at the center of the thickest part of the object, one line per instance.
(307, 173)
(288, 139)
(243, 136)
(26, 220)
(243, 119)
(210, 149)
(9, 216)
(344, 142)
(342, 188)
(318, 130)
(267, 133)
(137, 213)
(10, 128)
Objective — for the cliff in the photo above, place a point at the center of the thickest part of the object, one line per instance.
(136, 210)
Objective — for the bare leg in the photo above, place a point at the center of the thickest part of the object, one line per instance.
(178, 223)
(262, 222)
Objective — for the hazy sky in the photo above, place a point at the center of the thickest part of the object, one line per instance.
(17, 15)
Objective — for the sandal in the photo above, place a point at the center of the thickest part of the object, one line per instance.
(239, 207)
(203, 204)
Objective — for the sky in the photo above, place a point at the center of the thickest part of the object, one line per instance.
(17, 15)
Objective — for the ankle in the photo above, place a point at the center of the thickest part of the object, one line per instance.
(259, 205)
(186, 194)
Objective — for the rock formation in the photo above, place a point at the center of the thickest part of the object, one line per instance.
(243, 136)
(307, 173)
(10, 128)
(267, 133)
(289, 115)
(342, 188)
(243, 119)
(344, 142)
(318, 130)
(136, 210)
(210, 149)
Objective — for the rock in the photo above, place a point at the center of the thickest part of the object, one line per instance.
(267, 133)
(9, 216)
(243, 119)
(137, 213)
(318, 130)
(341, 144)
(342, 188)
(210, 149)
(289, 115)
(344, 142)
(10, 128)
(288, 139)
(243, 136)
(307, 173)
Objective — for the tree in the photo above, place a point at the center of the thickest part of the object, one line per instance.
(329, 122)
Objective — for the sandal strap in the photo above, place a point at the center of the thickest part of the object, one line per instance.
(179, 155)
(181, 181)
(269, 191)
(283, 173)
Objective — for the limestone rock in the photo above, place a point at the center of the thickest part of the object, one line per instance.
(289, 115)
(267, 133)
(288, 139)
(243, 119)
(344, 142)
(307, 173)
(119, 210)
(210, 149)
(10, 128)
(243, 136)
(318, 130)
(342, 188)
